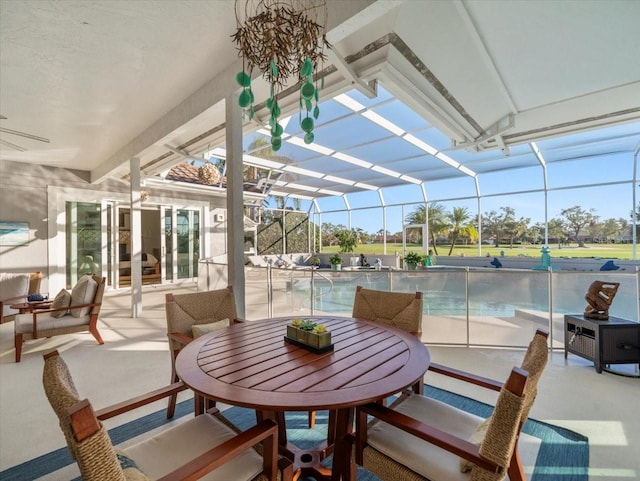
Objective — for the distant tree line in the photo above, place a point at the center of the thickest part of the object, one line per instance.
(501, 227)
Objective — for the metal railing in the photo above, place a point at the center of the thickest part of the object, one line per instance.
(462, 306)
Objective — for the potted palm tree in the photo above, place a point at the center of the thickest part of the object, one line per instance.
(412, 260)
(336, 262)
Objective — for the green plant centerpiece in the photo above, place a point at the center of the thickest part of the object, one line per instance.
(309, 334)
(336, 262)
(412, 260)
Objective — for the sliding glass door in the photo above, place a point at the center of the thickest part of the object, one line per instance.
(97, 232)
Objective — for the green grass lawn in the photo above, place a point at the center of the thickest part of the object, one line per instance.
(612, 251)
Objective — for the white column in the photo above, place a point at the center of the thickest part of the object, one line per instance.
(136, 239)
(235, 215)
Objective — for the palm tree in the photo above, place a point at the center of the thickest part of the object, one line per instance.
(460, 226)
(437, 221)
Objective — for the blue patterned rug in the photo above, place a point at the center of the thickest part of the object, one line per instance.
(563, 454)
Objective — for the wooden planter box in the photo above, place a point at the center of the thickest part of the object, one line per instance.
(317, 342)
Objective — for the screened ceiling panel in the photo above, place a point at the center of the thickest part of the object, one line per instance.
(505, 163)
(365, 145)
(450, 188)
(507, 181)
(628, 130)
(592, 148)
(327, 164)
(401, 115)
(435, 138)
(386, 151)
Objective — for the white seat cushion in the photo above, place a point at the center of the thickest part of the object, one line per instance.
(13, 285)
(425, 458)
(422, 457)
(170, 449)
(84, 292)
(46, 322)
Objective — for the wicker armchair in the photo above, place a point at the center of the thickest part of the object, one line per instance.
(76, 312)
(391, 450)
(195, 313)
(204, 447)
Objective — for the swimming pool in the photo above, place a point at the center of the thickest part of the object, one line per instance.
(488, 293)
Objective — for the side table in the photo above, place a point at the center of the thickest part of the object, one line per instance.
(26, 307)
(614, 341)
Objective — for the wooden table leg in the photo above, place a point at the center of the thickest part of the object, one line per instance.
(343, 466)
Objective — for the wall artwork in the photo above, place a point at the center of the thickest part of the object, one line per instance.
(14, 233)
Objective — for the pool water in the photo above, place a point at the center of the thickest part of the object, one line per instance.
(489, 292)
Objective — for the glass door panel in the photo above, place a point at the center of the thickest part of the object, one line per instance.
(83, 240)
(167, 243)
(188, 242)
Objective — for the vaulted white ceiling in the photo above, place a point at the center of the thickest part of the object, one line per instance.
(109, 80)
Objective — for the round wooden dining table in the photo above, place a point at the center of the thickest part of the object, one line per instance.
(250, 364)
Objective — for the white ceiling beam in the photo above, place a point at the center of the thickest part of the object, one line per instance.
(369, 90)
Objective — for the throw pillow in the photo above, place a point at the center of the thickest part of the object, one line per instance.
(62, 299)
(83, 293)
(476, 438)
(198, 330)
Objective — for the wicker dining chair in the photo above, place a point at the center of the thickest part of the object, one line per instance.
(191, 315)
(392, 451)
(203, 447)
(397, 309)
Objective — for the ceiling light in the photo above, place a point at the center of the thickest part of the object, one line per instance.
(348, 102)
(385, 171)
(445, 158)
(420, 144)
(352, 160)
(382, 122)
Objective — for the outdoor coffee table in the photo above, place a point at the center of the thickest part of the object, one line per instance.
(26, 307)
(251, 365)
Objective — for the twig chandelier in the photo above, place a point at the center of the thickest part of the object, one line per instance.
(283, 39)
